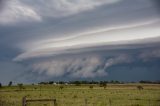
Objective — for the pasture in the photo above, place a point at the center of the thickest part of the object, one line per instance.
(83, 95)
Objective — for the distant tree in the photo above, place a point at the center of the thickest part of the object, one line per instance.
(84, 82)
(103, 84)
(20, 86)
(139, 87)
(148, 82)
(61, 87)
(0, 85)
(77, 83)
(91, 86)
(10, 83)
(116, 82)
(61, 82)
(51, 82)
(43, 83)
(112, 81)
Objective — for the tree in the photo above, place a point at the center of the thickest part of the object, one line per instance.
(103, 84)
(91, 86)
(51, 82)
(10, 83)
(0, 85)
(61, 82)
(20, 86)
(139, 87)
(61, 87)
(77, 83)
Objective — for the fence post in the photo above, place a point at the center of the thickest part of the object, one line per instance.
(110, 102)
(24, 101)
(55, 102)
(85, 102)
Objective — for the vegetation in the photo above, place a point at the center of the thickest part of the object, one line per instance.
(91, 86)
(61, 87)
(10, 83)
(139, 87)
(0, 85)
(82, 95)
(20, 86)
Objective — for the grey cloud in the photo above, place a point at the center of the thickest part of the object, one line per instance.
(1, 4)
(157, 5)
(14, 11)
(148, 55)
(58, 8)
(90, 66)
(27, 11)
(123, 58)
(84, 67)
(10, 71)
(22, 34)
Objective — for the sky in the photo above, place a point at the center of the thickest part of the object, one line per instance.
(44, 40)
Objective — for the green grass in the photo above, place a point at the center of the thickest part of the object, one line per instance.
(70, 95)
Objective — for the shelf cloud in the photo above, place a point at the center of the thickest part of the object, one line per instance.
(74, 39)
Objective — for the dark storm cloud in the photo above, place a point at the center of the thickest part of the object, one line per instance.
(67, 39)
(157, 5)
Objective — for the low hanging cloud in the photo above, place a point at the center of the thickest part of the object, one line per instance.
(79, 67)
(89, 66)
(148, 55)
(117, 60)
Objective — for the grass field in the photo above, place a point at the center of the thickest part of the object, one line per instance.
(84, 95)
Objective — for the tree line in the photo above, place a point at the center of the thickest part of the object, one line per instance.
(97, 82)
(86, 82)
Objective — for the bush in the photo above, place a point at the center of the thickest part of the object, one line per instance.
(103, 84)
(139, 87)
(20, 86)
(77, 83)
(61, 87)
(91, 86)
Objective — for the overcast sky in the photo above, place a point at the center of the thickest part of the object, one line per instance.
(42, 40)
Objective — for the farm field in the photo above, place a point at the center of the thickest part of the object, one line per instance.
(83, 95)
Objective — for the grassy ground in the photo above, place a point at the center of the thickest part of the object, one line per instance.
(70, 95)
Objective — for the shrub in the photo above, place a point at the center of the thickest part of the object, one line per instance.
(75, 96)
(20, 86)
(91, 86)
(139, 87)
(61, 87)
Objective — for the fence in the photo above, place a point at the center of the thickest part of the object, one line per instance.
(25, 101)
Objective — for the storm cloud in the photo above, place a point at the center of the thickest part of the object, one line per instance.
(50, 39)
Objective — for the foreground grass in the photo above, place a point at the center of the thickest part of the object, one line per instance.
(70, 95)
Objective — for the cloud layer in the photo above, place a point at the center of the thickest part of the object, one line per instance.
(79, 38)
(24, 10)
(15, 11)
(133, 34)
(92, 65)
